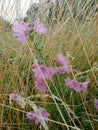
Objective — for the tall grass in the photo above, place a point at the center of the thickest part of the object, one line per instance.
(77, 39)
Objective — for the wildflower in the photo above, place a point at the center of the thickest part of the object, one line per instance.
(68, 81)
(67, 68)
(64, 62)
(44, 72)
(60, 59)
(38, 116)
(31, 116)
(21, 31)
(40, 85)
(51, 72)
(40, 72)
(76, 86)
(96, 104)
(84, 86)
(39, 27)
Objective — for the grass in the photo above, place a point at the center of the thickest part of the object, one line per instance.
(68, 110)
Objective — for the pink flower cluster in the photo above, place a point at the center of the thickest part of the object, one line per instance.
(40, 85)
(43, 72)
(38, 116)
(39, 27)
(64, 62)
(76, 86)
(47, 72)
(21, 30)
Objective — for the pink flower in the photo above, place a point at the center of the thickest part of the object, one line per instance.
(40, 72)
(31, 116)
(21, 31)
(96, 104)
(47, 72)
(64, 62)
(60, 59)
(67, 68)
(39, 27)
(51, 72)
(68, 81)
(36, 116)
(40, 85)
(76, 86)
(84, 86)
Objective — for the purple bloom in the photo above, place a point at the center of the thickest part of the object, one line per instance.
(42, 72)
(67, 68)
(51, 72)
(42, 69)
(96, 104)
(31, 116)
(63, 61)
(60, 59)
(39, 27)
(68, 81)
(40, 85)
(21, 31)
(47, 72)
(76, 86)
(36, 116)
(84, 86)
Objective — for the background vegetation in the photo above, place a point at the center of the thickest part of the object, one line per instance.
(72, 30)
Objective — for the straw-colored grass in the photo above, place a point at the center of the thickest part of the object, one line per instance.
(68, 110)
